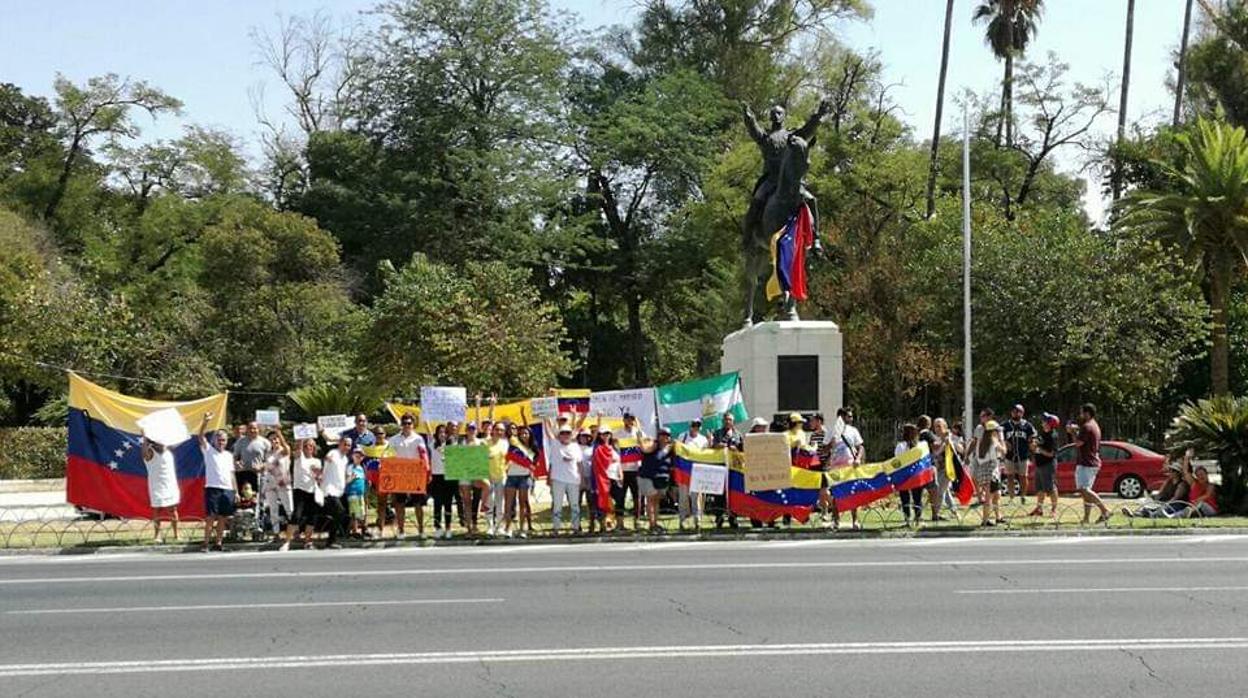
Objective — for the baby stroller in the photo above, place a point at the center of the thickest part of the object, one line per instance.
(246, 524)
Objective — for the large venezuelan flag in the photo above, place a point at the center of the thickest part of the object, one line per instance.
(788, 256)
(795, 501)
(858, 486)
(104, 469)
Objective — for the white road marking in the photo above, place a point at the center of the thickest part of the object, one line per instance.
(689, 567)
(247, 606)
(306, 662)
(1100, 590)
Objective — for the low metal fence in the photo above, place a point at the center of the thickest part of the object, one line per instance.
(52, 527)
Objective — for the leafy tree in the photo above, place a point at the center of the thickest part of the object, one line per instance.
(1203, 215)
(101, 107)
(482, 326)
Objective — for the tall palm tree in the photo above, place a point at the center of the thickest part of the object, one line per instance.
(1181, 77)
(1122, 96)
(1011, 24)
(940, 107)
(1203, 216)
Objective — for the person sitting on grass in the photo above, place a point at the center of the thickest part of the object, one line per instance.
(1174, 489)
(1202, 496)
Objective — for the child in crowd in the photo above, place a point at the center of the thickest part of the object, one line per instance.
(356, 485)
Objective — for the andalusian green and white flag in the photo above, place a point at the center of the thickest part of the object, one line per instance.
(707, 398)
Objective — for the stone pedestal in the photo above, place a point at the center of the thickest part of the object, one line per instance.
(788, 367)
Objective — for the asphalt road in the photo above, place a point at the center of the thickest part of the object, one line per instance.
(990, 617)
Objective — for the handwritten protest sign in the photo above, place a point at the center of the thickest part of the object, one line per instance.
(708, 479)
(443, 404)
(405, 475)
(268, 418)
(333, 425)
(768, 462)
(615, 404)
(545, 406)
(305, 431)
(466, 463)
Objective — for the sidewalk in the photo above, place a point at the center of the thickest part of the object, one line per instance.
(29, 500)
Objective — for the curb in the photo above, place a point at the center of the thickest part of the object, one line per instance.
(107, 549)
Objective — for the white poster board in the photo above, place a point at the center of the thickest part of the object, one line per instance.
(443, 404)
(544, 407)
(269, 418)
(165, 427)
(333, 425)
(708, 479)
(639, 402)
(305, 431)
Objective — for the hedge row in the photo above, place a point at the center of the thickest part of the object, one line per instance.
(28, 453)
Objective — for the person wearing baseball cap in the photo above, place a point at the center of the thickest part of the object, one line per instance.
(759, 425)
(1045, 454)
(1019, 435)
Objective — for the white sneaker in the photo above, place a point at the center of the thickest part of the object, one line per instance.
(492, 531)
(284, 546)
(447, 534)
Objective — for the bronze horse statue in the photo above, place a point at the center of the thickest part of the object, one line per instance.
(785, 200)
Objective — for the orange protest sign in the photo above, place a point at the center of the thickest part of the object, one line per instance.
(403, 475)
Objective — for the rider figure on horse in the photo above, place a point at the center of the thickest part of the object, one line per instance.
(773, 144)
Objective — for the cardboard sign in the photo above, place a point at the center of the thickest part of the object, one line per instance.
(544, 407)
(768, 463)
(403, 475)
(443, 404)
(305, 431)
(708, 479)
(268, 418)
(465, 463)
(333, 425)
(164, 427)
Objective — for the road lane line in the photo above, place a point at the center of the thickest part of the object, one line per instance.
(1099, 590)
(581, 569)
(247, 606)
(644, 652)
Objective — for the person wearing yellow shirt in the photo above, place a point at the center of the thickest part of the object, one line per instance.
(499, 444)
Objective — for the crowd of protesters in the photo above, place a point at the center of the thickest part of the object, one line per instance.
(600, 478)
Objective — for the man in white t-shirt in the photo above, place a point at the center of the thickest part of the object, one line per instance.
(564, 467)
(846, 452)
(220, 488)
(406, 444)
(688, 505)
(333, 484)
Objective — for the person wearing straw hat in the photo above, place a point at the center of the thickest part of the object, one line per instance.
(985, 460)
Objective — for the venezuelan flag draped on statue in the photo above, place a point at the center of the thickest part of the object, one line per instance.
(788, 256)
(104, 469)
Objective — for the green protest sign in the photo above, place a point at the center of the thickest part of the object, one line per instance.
(467, 462)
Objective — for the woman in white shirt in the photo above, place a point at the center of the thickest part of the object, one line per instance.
(162, 485)
(306, 472)
(334, 484)
(275, 487)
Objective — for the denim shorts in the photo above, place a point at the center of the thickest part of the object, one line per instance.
(1085, 476)
(519, 482)
(218, 502)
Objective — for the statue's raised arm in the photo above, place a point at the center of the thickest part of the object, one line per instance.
(808, 129)
(751, 123)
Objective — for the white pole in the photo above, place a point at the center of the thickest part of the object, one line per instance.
(968, 393)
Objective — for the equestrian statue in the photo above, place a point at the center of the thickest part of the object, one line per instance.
(780, 225)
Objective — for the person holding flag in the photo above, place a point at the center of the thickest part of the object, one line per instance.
(220, 486)
(521, 463)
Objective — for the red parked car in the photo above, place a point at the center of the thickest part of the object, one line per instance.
(1127, 470)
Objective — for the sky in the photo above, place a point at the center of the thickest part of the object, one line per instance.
(201, 52)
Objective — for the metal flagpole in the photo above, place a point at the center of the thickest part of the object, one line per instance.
(968, 393)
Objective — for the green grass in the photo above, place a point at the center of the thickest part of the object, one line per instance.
(885, 519)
